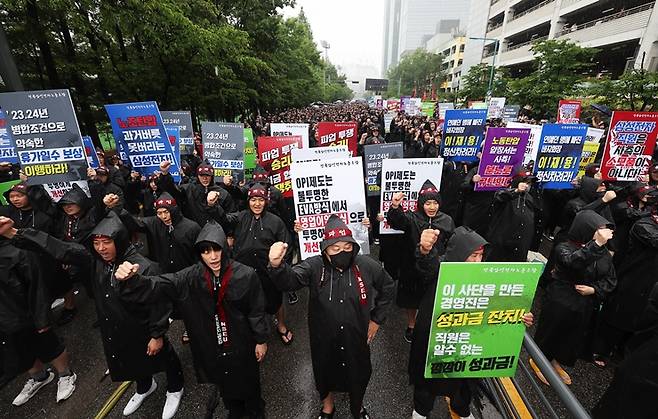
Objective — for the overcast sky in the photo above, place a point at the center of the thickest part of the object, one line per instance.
(353, 29)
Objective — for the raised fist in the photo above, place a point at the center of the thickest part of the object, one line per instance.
(228, 180)
(427, 239)
(126, 271)
(277, 252)
(164, 166)
(609, 196)
(397, 199)
(213, 197)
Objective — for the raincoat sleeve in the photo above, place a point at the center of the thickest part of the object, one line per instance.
(260, 326)
(397, 219)
(582, 257)
(383, 283)
(39, 299)
(148, 289)
(69, 253)
(292, 278)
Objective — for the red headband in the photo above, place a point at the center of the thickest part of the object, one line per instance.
(260, 176)
(428, 190)
(165, 202)
(337, 232)
(257, 193)
(205, 170)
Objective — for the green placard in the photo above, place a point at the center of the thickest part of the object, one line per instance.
(427, 108)
(249, 154)
(476, 323)
(4, 187)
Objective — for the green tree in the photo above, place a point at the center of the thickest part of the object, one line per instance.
(476, 83)
(418, 69)
(335, 87)
(560, 68)
(635, 90)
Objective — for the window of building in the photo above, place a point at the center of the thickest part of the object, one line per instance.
(461, 47)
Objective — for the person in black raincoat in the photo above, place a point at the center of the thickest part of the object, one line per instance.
(256, 229)
(170, 236)
(349, 297)
(28, 340)
(583, 277)
(223, 307)
(465, 245)
(275, 202)
(101, 185)
(453, 177)
(411, 288)
(632, 392)
(133, 334)
(29, 206)
(192, 197)
(637, 277)
(513, 226)
(476, 204)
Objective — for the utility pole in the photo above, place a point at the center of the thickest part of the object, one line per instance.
(8, 70)
(493, 64)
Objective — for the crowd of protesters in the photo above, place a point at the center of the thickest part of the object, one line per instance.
(219, 255)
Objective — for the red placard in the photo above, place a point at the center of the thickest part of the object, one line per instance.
(337, 133)
(274, 155)
(568, 112)
(629, 145)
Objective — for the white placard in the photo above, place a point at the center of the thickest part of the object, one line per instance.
(289, 130)
(532, 147)
(320, 153)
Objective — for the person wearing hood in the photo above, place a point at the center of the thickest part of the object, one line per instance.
(133, 334)
(427, 215)
(632, 391)
(637, 277)
(583, 277)
(193, 196)
(592, 195)
(25, 327)
(29, 206)
(513, 228)
(223, 307)
(255, 229)
(476, 204)
(349, 298)
(275, 202)
(453, 176)
(465, 245)
(101, 186)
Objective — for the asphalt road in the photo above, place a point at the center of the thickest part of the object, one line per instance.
(287, 377)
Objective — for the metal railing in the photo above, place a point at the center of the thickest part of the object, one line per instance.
(530, 10)
(523, 44)
(494, 26)
(614, 16)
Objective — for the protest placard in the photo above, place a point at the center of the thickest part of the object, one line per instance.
(443, 107)
(249, 153)
(560, 148)
(495, 107)
(223, 147)
(463, 133)
(183, 120)
(57, 190)
(90, 152)
(393, 105)
(323, 188)
(46, 135)
(388, 118)
(320, 153)
(568, 112)
(141, 137)
(502, 152)
(427, 108)
(7, 149)
(511, 113)
(532, 146)
(477, 326)
(588, 156)
(407, 176)
(594, 135)
(287, 129)
(373, 155)
(274, 155)
(338, 133)
(173, 134)
(629, 146)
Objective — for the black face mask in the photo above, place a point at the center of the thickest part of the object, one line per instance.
(341, 260)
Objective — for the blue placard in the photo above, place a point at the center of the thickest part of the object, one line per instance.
(141, 137)
(173, 132)
(558, 159)
(463, 134)
(90, 152)
(7, 149)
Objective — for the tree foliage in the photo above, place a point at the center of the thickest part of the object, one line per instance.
(635, 90)
(476, 83)
(416, 70)
(217, 58)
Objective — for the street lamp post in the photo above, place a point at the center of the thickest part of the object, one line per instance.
(326, 47)
(493, 63)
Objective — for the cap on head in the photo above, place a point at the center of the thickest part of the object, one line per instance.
(205, 170)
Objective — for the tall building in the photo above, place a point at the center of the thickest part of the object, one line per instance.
(452, 50)
(410, 24)
(626, 31)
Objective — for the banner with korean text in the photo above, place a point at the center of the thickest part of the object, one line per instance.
(320, 153)
(323, 188)
(532, 146)
(90, 152)
(141, 137)
(7, 149)
(337, 133)
(373, 155)
(568, 111)
(287, 129)
(463, 133)
(249, 153)
(495, 107)
(560, 148)
(223, 147)
(629, 146)
(406, 176)
(501, 155)
(46, 135)
(183, 120)
(477, 329)
(274, 156)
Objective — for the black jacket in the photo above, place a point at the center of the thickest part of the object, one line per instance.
(232, 366)
(126, 327)
(512, 227)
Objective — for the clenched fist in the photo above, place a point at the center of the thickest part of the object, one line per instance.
(111, 200)
(277, 252)
(397, 199)
(427, 239)
(164, 166)
(228, 180)
(126, 271)
(213, 197)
